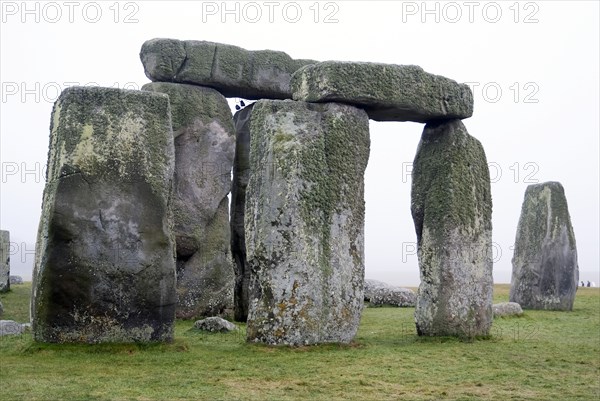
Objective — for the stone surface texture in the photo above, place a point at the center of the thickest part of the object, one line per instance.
(233, 71)
(241, 175)
(105, 253)
(452, 210)
(204, 149)
(304, 219)
(4, 261)
(545, 269)
(388, 92)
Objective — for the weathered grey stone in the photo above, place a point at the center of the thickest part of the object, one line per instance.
(215, 324)
(1, 308)
(545, 270)
(505, 309)
(452, 212)
(105, 252)
(304, 221)
(241, 175)
(16, 280)
(10, 328)
(388, 92)
(378, 293)
(204, 147)
(233, 71)
(4, 261)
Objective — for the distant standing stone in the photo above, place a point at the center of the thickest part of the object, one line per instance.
(215, 324)
(16, 280)
(105, 252)
(1, 308)
(452, 212)
(388, 92)
(305, 222)
(204, 147)
(545, 270)
(504, 309)
(4, 261)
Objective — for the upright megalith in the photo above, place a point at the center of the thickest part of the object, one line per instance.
(388, 92)
(241, 175)
(204, 149)
(304, 221)
(452, 211)
(545, 270)
(4, 261)
(105, 253)
(231, 70)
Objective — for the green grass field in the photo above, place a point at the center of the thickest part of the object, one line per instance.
(540, 356)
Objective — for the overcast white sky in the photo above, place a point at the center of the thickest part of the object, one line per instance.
(534, 67)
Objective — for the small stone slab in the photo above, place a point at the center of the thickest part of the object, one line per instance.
(233, 71)
(505, 309)
(215, 324)
(387, 92)
(10, 328)
(378, 293)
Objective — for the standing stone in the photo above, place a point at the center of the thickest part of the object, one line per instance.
(105, 252)
(204, 147)
(241, 175)
(305, 222)
(545, 270)
(4, 261)
(452, 212)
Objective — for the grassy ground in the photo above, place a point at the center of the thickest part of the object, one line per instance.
(540, 356)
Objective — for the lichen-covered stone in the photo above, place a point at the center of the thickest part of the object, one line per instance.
(388, 92)
(204, 147)
(452, 212)
(378, 293)
(545, 270)
(506, 309)
(105, 252)
(241, 175)
(215, 324)
(4, 261)
(304, 220)
(233, 71)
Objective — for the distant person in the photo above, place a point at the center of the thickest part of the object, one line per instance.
(582, 283)
(589, 284)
